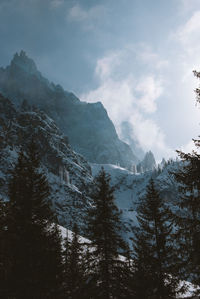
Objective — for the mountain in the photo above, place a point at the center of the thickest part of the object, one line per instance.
(70, 176)
(68, 173)
(148, 163)
(88, 127)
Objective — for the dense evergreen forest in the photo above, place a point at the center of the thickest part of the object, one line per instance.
(36, 262)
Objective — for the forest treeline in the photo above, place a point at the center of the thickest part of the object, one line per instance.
(36, 262)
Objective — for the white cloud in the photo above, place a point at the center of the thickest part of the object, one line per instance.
(107, 64)
(76, 13)
(150, 136)
(187, 38)
(128, 98)
(87, 17)
(56, 3)
(150, 90)
(148, 56)
(117, 96)
(189, 33)
(187, 6)
(189, 147)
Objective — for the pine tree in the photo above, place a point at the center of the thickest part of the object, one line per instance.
(155, 263)
(74, 266)
(104, 227)
(29, 229)
(55, 267)
(3, 250)
(187, 217)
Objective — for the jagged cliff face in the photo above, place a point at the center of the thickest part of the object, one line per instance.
(88, 127)
(148, 163)
(68, 173)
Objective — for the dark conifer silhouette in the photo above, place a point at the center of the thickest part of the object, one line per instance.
(74, 275)
(4, 262)
(30, 230)
(55, 264)
(187, 216)
(104, 227)
(155, 262)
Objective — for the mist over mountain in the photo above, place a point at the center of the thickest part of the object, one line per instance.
(56, 119)
(59, 121)
(33, 108)
(88, 127)
(126, 136)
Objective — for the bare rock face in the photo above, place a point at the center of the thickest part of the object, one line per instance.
(148, 163)
(88, 127)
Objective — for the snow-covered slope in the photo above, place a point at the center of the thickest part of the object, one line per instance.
(68, 173)
(130, 187)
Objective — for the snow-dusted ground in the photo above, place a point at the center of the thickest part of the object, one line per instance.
(68, 233)
(190, 290)
(129, 188)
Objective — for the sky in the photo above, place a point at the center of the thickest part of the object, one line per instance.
(135, 56)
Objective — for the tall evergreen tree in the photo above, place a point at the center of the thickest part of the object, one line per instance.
(104, 227)
(55, 265)
(74, 267)
(3, 250)
(29, 229)
(187, 217)
(155, 263)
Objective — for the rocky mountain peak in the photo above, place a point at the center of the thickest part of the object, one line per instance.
(22, 61)
(148, 163)
(90, 131)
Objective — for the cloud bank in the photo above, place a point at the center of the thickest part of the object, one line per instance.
(130, 98)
